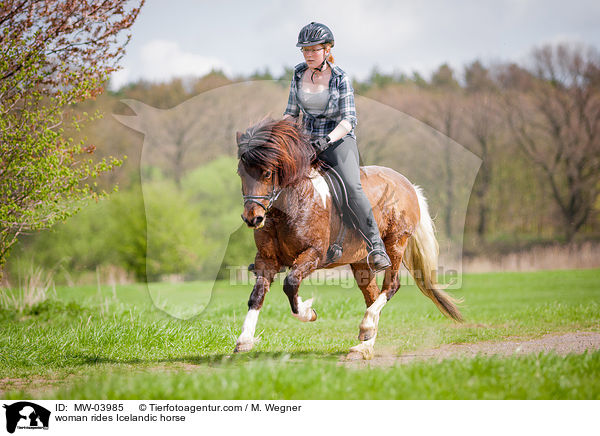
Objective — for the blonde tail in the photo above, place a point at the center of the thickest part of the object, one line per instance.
(421, 259)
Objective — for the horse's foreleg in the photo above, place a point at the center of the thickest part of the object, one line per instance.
(265, 271)
(305, 264)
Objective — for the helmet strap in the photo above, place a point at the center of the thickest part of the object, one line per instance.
(319, 69)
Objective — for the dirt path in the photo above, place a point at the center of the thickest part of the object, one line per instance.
(560, 343)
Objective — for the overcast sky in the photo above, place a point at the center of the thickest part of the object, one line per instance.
(185, 37)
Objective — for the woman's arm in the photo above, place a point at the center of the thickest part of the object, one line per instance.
(292, 110)
(347, 110)
(340, 130)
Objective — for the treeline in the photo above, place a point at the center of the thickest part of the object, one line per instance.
(536, 128)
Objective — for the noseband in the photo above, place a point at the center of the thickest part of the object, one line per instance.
(271, 199)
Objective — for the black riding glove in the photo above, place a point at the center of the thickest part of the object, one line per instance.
(320, 144)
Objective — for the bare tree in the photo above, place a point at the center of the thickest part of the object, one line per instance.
(482, 123)
(444, 116)
(556, 123)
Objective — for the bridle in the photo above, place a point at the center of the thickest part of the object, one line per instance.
(270, 198)
(242, 147)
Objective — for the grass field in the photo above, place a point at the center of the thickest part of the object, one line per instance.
(114, 344)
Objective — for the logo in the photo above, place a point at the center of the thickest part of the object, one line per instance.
(26, 415)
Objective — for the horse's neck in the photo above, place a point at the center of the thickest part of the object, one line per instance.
(296, 197)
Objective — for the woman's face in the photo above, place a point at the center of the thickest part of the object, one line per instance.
(314, 55)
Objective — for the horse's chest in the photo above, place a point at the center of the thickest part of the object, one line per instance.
(301, 222)
(291, 242)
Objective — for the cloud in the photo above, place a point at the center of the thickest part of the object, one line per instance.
(120, 78)
(161, 60)
(394, 35)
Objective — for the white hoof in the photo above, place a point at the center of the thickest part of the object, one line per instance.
(305, 311)
(361, 351)
(245, 344)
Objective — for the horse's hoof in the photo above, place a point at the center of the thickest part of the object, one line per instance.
(305, 311)
(243, 347)
(354, 355)
(368, 354)
(359, 352)
(366, 334)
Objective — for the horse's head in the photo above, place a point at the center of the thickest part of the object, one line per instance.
(260, 188)
(272, 155)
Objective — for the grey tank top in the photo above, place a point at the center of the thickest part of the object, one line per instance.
(314, 102)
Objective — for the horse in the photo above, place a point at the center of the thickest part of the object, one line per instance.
(288, 205)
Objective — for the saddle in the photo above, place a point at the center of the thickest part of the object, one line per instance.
(339, 196)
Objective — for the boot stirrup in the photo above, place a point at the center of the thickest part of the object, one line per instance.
(381, 251)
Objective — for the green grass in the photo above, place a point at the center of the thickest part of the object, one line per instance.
(89, 344)
(540, 376)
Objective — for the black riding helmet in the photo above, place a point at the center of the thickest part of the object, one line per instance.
(313, 34)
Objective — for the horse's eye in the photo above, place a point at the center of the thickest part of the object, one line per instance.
(268, 174)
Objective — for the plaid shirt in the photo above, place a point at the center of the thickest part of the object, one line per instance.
(339, 107)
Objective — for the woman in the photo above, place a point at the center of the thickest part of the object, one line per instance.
(324, 94)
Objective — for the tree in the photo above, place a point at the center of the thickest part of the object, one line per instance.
(380, 79)
(445, 117)
(53, 55)
(482, 122)
(418, 80)
(556, 123)
(443, 78)
(477, 78)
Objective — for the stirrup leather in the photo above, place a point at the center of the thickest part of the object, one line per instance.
(336, 249)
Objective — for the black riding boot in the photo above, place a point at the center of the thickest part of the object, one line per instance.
(378, 259)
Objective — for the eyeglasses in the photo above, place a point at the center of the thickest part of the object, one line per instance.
(311, 50)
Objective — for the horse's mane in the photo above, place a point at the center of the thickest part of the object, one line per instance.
(278, 145)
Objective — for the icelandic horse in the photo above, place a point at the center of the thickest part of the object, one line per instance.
(290, 208)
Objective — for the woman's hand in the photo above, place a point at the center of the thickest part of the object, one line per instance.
(320, 144)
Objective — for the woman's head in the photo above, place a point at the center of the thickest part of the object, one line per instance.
(315, 55)
(316, 40)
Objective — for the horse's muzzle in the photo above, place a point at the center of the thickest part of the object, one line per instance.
(256, 222)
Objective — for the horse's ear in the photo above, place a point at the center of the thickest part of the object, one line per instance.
(238, 135)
